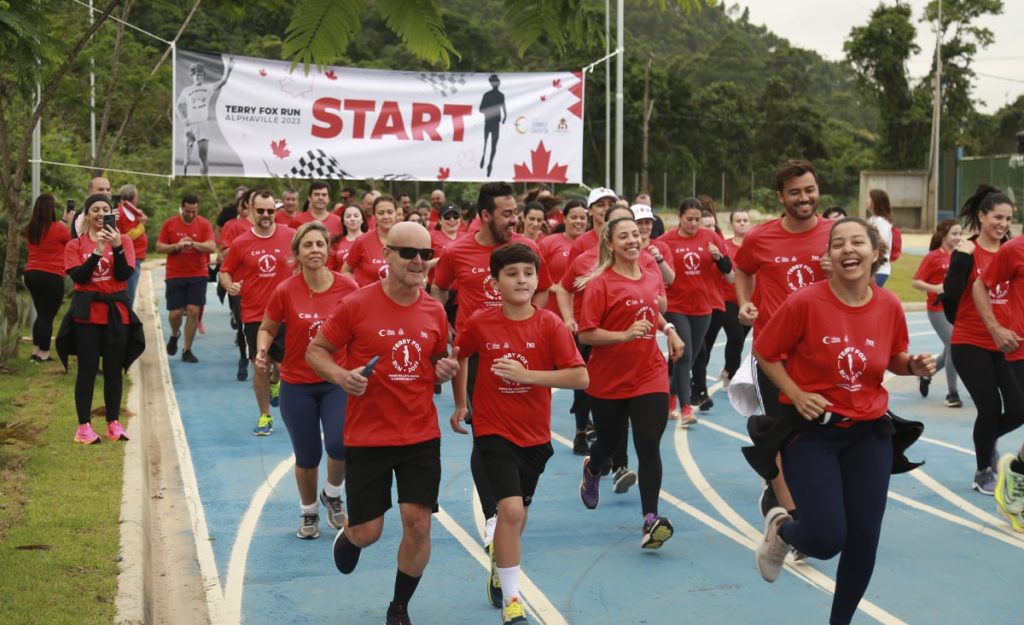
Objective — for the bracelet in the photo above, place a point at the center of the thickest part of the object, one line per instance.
(668, 326)
(660, 260)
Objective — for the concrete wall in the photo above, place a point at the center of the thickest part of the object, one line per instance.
(908, 194)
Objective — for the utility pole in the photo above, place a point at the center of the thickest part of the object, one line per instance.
(619, 101)
(607, 94)
(936, 149)
(648, 106)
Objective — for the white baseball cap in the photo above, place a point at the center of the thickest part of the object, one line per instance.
(599, 194)
(641, 211)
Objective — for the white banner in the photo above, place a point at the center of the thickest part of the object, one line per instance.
(241, 116)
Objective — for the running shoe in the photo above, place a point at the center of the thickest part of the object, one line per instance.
(309, 527)
(335, 510)
(771, 553)
(922, 385)
(275, 394)
(657, 531)
(985, 481)
(623, 479)
(591, 432)
(1010, 493)
(767, 500)
(590, 486)
(243, 370)
(115, 432)
(513, 613)
(188, 356)
(265, 426)
(346, 555)
(686, 417)
(172, 345)
(38, 359)
(397, 615)
(489, 526)
(493, 581)
(580, 447)
(85, 435)
(706, 405)
(953, 400)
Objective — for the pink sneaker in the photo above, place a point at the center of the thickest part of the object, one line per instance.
(115, 432)
(85, 435)
(202, 328)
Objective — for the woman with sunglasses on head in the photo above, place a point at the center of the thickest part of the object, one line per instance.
(365, 262)
(100, 323)
(928, 278)
(828, 348)
(313, 410)
(979, 361)
(44, 272)
(622, 306)
(353, 226)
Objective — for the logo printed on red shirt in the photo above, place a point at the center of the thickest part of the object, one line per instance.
(999, 292)
(852, 364)
(490, 292)
(405, 358)
(102, 271)
(798, 276)
(267, 264)
(508, 386)
(691, 260)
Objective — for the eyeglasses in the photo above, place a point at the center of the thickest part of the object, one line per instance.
(409, 253)
(265, 211)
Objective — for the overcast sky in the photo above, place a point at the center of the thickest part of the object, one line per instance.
(823, 25)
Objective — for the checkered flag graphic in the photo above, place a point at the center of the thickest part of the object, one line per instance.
(318, 164)
(444, 84)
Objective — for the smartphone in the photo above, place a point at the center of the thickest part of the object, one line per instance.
(368, 369)
(70, 207)
(110, 220)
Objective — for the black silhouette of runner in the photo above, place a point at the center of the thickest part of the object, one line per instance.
(492, 105)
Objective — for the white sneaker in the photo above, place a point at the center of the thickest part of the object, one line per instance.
(489, 530)
(771, 553)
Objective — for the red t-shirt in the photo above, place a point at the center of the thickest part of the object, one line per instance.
(1004, 278)
(969, 329)
(933, 270)
(584, 242)
(729, 290)
(695, 289)
(303, 312)
(516, 412)
(613, 302)
(76, 252)
(782, 263)
(260, 264)
(837, 351)
(339, 253)
(232, 230)
(398, 405)
(48, 254)
(332, 222)
(129, 222)
(466, 267)
(580, 266)
(554, 251)
(188, 263)
(366, 258)
(440, 242)
(283, 218)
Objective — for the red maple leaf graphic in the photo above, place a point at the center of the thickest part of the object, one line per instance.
(263, 72)
(540, 169)
(280, 149)
(556, 83)
(331, 75)
(443, 173)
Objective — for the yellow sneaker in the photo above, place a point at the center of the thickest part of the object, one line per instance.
(1009, 493)
(513, 612)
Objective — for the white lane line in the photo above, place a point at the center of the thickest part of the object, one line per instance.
(933, 441)
(235, 578)
(196, 512)
(952, 518)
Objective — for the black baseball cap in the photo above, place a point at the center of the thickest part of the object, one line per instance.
(450, 208)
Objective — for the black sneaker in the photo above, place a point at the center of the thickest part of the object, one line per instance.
(243, 370)
(767, 500)
(397, 615)
(706, 405)
(188, 356)
(953, 400)
(346, 555)
(580, 447)
(172, 345)
(923, 384)
(697, 398)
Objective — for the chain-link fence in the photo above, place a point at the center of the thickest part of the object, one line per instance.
(1004, 171)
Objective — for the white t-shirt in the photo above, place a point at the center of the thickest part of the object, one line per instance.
(884, 227)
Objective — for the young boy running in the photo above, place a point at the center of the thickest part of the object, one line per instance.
(512, 400)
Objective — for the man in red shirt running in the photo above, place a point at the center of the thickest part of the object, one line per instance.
(396, 337)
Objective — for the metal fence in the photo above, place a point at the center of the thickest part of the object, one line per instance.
(1004, 171)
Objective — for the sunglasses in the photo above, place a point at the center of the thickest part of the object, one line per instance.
(450, 216)
(265, 211)
(409, 253)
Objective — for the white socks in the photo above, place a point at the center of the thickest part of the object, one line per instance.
(313, 508)
(509, 583)
(331, 490)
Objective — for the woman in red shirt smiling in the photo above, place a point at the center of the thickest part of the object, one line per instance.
(827, 349)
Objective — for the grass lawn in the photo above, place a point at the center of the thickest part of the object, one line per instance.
(59, 504)
(902, 274)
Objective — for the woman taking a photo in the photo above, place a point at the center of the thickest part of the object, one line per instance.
(309, 405)
(928, 278)
(100, 323)
(828, 348)
(365, 262)
(352, 227)
(44, 271)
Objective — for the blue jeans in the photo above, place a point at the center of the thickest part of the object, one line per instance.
(133, 283)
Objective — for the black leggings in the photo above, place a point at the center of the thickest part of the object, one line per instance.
(735, 336)
(993, 389)
(649, 415)
(691, 330)
(839, 478)
(47, 291)
(699, 382)
(580, 402)
(235, 305)
(91, 344)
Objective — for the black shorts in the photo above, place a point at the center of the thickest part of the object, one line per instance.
(512, 471)
(368, 471)
(182, 292)
(276, 351)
